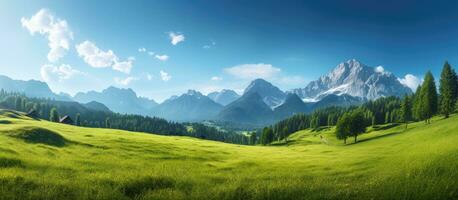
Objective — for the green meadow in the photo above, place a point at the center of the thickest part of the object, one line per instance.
(45, 160)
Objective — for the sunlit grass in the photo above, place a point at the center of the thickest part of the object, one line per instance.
(418, 163)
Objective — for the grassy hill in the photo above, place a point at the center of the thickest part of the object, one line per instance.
(44, 160)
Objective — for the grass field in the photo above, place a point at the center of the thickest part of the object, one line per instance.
(44, 160)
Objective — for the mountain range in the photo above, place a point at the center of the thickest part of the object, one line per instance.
(118, 100)
(191, 106)
(262, 103)
(223, 97)
(355, 79)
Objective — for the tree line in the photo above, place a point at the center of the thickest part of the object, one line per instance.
(52, 110)
(421, 105)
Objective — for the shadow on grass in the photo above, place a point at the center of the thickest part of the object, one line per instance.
(10, 162)
(377, 137)
(37, 135)
(139, 187)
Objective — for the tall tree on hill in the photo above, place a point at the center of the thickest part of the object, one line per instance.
(406, 110)
(267, 136)
(78, 120)
(18, 103)
(54, 115)
(253, 138)
(416, 105)
(357, 125)
(447, 90)
(428, 97)
(285, 133)
(343, 128)
(107, 123)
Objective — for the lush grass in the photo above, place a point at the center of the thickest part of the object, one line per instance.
(86, 163)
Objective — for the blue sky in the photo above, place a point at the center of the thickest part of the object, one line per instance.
(218, 44)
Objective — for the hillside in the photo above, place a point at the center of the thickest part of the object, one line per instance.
(44, 160)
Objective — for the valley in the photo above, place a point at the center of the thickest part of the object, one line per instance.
(93, 163)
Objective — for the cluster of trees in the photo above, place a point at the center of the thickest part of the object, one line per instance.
(203, 131)
(349, 125)
(352, 121)
(52, 110)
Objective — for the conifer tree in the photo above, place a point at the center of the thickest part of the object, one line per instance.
(428, 95)
(54, 115)
(406, 110)
(447, 90)
(78, 120)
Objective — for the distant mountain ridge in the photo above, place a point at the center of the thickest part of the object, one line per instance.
(224, 97)
(31, 88)
(191, 106)
(355, 79)
(270, 94)
(118, 100)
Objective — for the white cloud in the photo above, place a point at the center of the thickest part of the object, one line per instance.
(51, 73)
(176, 38)
(141, 49)
(57, 31)
(150, 53)
(410, 81)
(149, 77)
(165, 76)
(292, 80)
(216, 78)
(162, 57)
(97, 58)
(125, 81)
(124, 66)
(251, 71)
(380, 69)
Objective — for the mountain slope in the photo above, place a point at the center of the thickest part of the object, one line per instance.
(248, 109)
(224, 97)
(355, 79)
(269, 93)
(94, 105)
(113, 164)
(30, 88)
(118, 100)
(191, 106)
(292, 105)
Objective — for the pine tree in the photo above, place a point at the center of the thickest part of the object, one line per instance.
(54, 115)
(447, 90)
(406, 110)
(428, 95)
(107, 123)
(416, 107)
(18, 103)
(78, 119)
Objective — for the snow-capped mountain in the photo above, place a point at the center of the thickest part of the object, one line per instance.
(355, 79)
(224, 97)
(269, 93)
